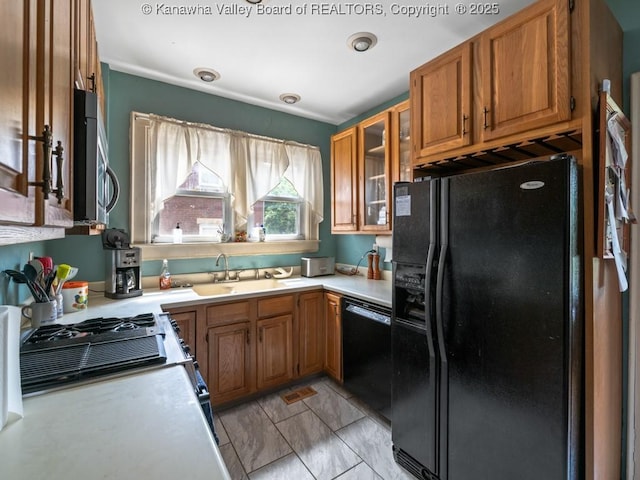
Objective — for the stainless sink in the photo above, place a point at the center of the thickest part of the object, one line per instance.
(248, 286)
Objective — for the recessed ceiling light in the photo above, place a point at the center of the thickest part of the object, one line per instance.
(362, 41)
(290, 98)
(206, 74)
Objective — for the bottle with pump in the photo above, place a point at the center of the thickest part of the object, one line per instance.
(165, 276)
(177, 234)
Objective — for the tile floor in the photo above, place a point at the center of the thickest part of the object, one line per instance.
(330, 435)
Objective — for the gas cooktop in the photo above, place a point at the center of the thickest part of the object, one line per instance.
(58, 354)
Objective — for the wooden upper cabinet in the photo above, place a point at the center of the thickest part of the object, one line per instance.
(374, 173)
(366, 160)
(54, 107)
(36, 89)
(525, 70)
(344, 181)
(87, 70)
(441, 101)
(401, 166)
(17, 113)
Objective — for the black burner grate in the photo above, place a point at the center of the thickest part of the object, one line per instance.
(45, 365)
(58, 365)
(123, 352)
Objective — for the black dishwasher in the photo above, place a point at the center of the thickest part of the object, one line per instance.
(366, 353)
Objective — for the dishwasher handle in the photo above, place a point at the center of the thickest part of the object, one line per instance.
(369, 314)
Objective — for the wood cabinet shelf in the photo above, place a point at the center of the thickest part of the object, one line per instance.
(377, 151)
(539, 146)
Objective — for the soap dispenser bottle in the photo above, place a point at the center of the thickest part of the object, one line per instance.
(177, 234)
(165, 276)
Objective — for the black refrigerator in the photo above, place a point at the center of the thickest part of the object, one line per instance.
(487, 325)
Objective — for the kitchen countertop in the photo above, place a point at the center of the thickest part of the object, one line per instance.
(161, 432)
(153, 300)
(63, 434)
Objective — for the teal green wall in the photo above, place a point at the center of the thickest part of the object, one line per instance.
(373, 111)
(13, 257)
(127, 93)
(627, 12)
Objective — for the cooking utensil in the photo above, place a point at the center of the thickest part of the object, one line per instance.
(47, 264)
(36, 292)
(62, 274)
(37, 264)
(72, 273)
(31, 274)
(48, 282)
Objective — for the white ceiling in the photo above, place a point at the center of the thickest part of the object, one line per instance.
(264, 55)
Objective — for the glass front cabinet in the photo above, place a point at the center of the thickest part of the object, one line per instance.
(366, 160)
(401, 143)
(374, 173)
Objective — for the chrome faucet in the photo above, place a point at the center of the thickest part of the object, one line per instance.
(226, 265)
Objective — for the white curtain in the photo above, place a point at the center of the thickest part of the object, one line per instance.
(248, 165)
(305, 173)
(259, 166)
(170, 147)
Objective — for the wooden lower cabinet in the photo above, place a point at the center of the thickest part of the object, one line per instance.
(333, 343)
(186, 321)
(310, 333)
(229, 361)
(257, 344)
(275, 351)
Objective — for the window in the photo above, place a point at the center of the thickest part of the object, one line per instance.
(200, 205)
(281, 212)
(217, 183)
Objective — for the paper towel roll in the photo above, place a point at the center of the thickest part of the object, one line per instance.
(10, 390)
(386, 242)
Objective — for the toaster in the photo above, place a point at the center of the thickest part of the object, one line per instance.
(317, 266)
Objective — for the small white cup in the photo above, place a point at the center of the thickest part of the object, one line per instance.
(41, 313)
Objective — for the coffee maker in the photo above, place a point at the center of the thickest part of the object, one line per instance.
(122, 265)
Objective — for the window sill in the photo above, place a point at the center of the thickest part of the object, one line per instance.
(158, 251)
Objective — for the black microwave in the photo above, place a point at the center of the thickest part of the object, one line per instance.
(95, 186)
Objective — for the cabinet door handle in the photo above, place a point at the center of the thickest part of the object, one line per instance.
(46, 139)
(59, 191)
(92, 78)
(260, 334)
(247, 335)
(484, 112)
(464, 124)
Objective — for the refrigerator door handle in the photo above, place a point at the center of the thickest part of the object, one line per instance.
(443, 394)
(442, 258)
(439, 302)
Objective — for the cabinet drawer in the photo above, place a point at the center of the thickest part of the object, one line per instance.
(228, 312)
(269, 307)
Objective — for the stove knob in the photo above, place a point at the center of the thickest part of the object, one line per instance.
(186, 348)
(195, 364)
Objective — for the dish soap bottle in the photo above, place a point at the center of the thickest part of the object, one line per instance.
(165, 276)
(177, 234)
